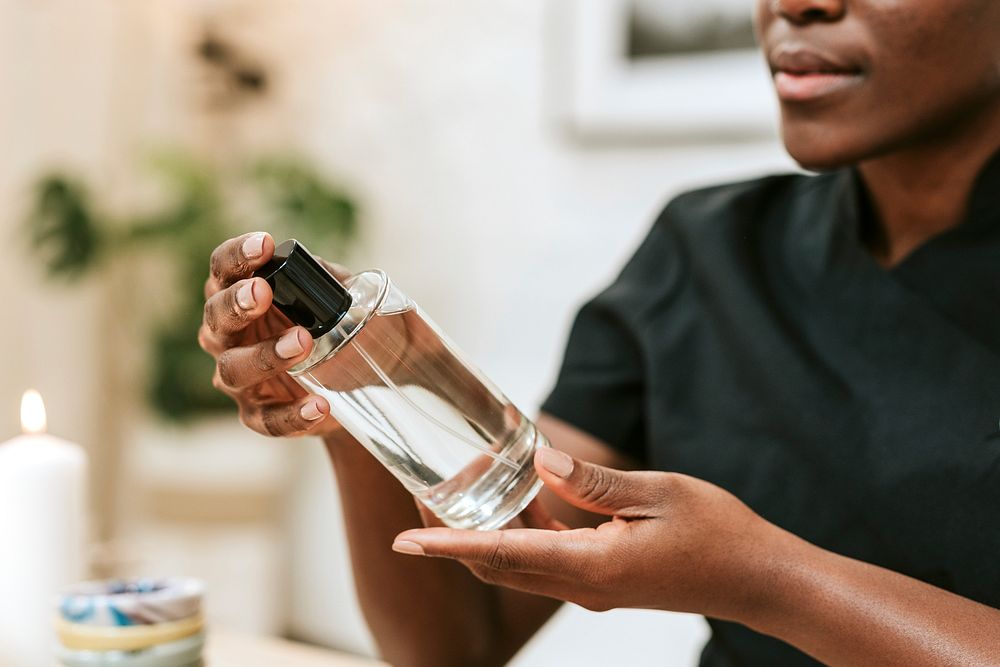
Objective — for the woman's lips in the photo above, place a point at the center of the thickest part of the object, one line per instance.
(809, 86)
(803, 74)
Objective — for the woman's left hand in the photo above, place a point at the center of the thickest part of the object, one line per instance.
(674, 542)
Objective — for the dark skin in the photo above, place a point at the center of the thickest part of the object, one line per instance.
(907, 90)
(921, 117)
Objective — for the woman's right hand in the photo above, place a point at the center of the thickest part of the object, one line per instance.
(254, 344)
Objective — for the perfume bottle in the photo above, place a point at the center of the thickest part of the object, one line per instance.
(399, 386)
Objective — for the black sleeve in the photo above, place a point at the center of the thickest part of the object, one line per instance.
(601, 387)
(600, 384)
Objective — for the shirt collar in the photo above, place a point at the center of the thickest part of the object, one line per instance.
(982, 213)
(984, 204)
(828, 211)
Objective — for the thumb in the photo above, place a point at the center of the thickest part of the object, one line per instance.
(595, 488)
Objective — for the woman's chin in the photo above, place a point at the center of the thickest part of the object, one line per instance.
(823, 154)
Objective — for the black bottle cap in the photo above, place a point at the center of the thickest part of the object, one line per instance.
(303, 289)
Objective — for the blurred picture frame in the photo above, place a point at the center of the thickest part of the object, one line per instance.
(678, 70)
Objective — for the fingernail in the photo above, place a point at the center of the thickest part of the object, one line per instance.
(407, 547)
(310, 411)
(556, 462)
(245, 297)
(288, 346)
(253, 246)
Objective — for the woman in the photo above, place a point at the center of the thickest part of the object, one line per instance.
(815, 359)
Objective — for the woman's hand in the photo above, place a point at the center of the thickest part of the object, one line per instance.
(674, 542)
(254, 344)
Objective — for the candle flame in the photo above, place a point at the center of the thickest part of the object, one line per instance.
(32, 412)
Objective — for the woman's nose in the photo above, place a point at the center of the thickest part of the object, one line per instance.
(808, 11)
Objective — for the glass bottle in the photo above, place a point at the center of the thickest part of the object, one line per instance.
(398, 385)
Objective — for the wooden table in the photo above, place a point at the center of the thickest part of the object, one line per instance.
(234, 650)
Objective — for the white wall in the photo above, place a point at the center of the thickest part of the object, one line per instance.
(43, 329)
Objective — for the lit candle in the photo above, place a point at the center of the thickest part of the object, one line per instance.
(42, 505)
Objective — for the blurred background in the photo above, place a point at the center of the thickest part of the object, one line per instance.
(501, 160)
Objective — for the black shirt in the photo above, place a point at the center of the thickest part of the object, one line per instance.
(753, 342)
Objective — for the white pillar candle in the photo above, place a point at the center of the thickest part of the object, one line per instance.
(42, 509)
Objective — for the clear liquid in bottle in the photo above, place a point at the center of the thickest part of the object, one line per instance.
(399, 386)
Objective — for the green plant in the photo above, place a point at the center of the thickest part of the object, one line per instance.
(73, 236)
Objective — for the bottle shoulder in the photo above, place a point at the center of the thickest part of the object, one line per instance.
(372, 293)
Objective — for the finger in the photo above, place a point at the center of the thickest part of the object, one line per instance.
(431, 520)
(287, 419)
(232, 310)
(517, 549)
(539, 584)
(536, 584)
(339, 271)
(536, 516)
(241, 367)
(221, 386)
(237, 259)
(597, 488)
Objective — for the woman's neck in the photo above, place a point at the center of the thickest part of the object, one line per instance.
(923, 190)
